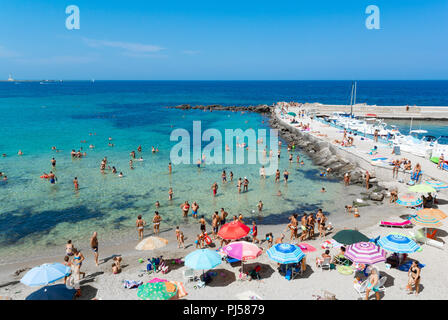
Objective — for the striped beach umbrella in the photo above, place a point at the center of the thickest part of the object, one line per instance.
(285, 253)
(409, 200)
(437, 185)
(436, 213)
(365, 253)
(425, 220)
(242, 250)
(422, 188)
(398, 243)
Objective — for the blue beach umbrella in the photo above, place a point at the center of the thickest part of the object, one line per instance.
(45, 274)
(437, 185)
(55, 292)
(398, 243)
(285, 253)
(203, 259)
(409, 200)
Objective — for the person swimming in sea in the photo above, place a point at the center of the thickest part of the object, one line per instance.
(52, 177)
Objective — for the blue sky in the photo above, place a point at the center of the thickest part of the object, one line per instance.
(224, 40)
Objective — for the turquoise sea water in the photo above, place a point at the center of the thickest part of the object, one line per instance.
(35, 117)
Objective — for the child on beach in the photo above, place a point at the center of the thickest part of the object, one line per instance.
(198, 241)
(269, 239)
(254, 232)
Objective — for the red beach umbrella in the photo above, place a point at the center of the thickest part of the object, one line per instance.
(233, 230)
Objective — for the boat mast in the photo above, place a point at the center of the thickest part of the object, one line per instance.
(351, 101)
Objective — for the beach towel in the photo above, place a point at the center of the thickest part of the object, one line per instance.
(154, 280)
(132, 284)
(181, 292)
(407, 265)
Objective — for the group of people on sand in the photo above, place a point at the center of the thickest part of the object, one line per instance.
(307, 225)
(74, 259)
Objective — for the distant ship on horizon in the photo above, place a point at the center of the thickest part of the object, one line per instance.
(10, 78)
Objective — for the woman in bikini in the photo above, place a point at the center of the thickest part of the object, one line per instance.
(78, 258)
(140, 224)
(185, 208)
(69, 248)
(414, 277)
(156, 221)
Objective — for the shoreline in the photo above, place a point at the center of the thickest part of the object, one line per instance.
(102, 284)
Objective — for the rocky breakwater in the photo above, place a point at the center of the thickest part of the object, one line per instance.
(262, 108)
(324, 154)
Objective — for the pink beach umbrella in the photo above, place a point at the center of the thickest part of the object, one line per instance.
(242, 250)
(365, 253)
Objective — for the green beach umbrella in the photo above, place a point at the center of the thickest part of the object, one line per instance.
(422, 188)
(157, 291)
(349, 236)
(292, 114)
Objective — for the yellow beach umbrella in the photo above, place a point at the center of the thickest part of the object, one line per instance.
(436, 213)
(151, 243)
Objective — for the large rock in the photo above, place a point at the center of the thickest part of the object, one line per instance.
(376, 196)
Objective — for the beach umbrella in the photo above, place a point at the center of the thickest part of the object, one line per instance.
(436, 213)
(437, 185)
(203, 259)
(409, 200)
(292, 114)
(422, 188)
(45, 274)
(349, 236)
(55, 292)
(157, 291)
(398, 243)
(425, 220)
(285, 253)
(233, 230)
(242, 250)
(365, 253)
(151, 243)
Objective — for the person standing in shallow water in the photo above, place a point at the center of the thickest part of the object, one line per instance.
(75, 183)
(214, 188)
(140, 224)
(170, 168)
(94, 246)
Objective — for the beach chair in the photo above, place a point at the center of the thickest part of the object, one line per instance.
(431, 235)
(325, 265)
(188, 274)
(404, 224)
(361, 288)
(420, 238)
(380, 286)
(341, 260)
(199, 285)
(230, 260)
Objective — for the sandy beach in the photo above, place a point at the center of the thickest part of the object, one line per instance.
(101, 283)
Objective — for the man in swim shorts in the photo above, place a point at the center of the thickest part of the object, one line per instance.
(94, 246)
(224, 215)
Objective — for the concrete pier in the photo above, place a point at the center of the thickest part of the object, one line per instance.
(384, 112)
